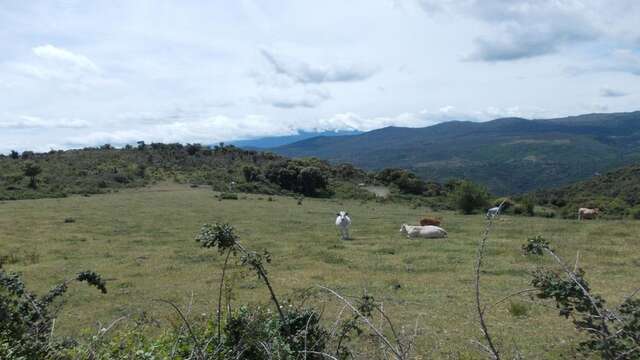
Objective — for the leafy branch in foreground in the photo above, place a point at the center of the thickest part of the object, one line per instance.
(613, 335)
(490, 348)
(27, 321)
(222, 236)
(301, 330)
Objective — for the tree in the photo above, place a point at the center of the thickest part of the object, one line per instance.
(468, 197)
(31, 169)
(14, 154)
(193, 149)
(250, 173)
(311, 179)
(409, 183)
(406, 181)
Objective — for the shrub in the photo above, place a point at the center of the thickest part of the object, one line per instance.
(635, 213)
(469, 197)
(31, 170)
(406, 181)
(609, 334)
(26, 319)
(250, 173)
(528, 205)
(228, 196)
(549, 214)
(311, 180)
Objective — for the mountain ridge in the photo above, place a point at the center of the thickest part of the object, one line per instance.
(509, 155)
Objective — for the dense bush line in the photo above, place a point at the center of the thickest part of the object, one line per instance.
(226, 169)
(98, 170)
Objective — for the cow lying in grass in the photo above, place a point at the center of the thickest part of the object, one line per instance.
(429, 221)
(342, 222)
(427, 232)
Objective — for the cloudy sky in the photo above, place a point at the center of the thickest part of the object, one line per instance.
(83, 73)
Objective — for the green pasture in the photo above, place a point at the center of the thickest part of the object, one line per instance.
(142, 241)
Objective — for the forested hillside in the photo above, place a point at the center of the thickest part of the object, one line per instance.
(224, 168)
(616, 194)
(510, 155)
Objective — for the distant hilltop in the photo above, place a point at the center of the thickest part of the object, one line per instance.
(509, 155)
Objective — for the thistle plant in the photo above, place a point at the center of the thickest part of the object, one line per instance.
(223, 237)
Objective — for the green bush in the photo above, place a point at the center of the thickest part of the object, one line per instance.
(469, 197)
(228, 196)
(528, 205)
(406, 181)
(26, 320)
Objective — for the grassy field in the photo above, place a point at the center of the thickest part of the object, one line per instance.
(143, 242)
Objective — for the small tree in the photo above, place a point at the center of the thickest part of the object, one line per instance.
(311, 179)
(468, 197)
(14, 154)
(250, 173)
(528, 204)
(193, 149)
(31, 169)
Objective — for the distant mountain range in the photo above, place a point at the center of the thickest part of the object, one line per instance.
(509, 155)
(274, 141)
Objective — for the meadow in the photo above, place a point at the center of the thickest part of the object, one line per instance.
(142, 242)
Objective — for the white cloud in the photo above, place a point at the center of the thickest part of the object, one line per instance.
(309, 98)
(206, 130)
(423, 118)
(218, 71)
(50, 52)
(520, 29)
(302, 72)
(35, 122)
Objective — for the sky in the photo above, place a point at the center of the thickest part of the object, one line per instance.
(86, 73)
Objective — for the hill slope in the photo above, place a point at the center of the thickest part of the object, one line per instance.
(224, 168)
(616, 193)
(509, 155)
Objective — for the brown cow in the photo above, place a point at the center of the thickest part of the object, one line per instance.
(430, 221)
(587, 214)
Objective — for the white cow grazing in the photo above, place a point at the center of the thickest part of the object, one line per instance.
(343, 221)
(493, 212)
(427, 232)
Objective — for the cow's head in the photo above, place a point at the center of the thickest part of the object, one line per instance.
(403, 229)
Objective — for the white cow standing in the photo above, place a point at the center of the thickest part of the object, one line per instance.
(587, 213)
(427, 231)
(342, 222)
(493, 212)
